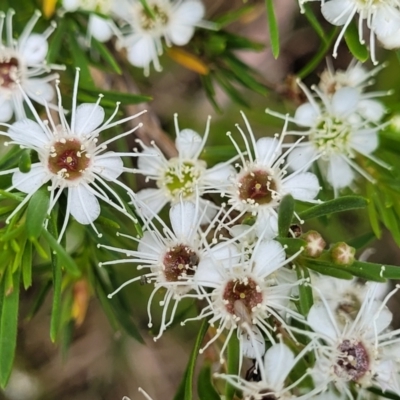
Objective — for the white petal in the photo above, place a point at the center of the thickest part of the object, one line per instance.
(142, 52)
(391, 41)
(6, 109)
(207, 210)
(371, 110)
(365, 141)
(226, 255)
(267, 225)
(304, 186)
(333, 11)
(153, 199)
(252, 347)
(189, 12)
(219, 174)
(188, 143)
(339, 173)
(153, 165)
(180, 34)
(278, 363)
(319, 321)
(345, 101)
(100, 28)
(31, 181)
(301, 156)
(71, 5)
(267, 257)
(376, 320)
(209, 274)
(88, 117)
(386, 21)
(85, 207)
(110, 168)
(29, 133)
(149, 245)
(268, 150)
(37, 88)
(307, 115)
(184, 218)
(34, 49)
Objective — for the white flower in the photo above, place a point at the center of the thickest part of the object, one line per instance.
(70, 158)
(337, 133)
(274, 371)
(174, 21)
(184, 176)
(262, 182)
(172, 255)
(355, 352)
(100, 28)
(23, 62)
(246, 291)
(382, 18)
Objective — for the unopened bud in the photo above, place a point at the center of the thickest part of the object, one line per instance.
(315, 244)
(343, 254)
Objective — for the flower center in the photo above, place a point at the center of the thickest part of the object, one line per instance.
(68, 158)
(353, 361)
(180, 178)
(332, 137)
(257, 187)
(241, 296)
(269, 395)
(157, 20)
(179, 263)
(9, 73)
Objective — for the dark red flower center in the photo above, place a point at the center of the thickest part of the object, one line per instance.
(9, 73)
(180, 262)
(241, 296)
(68, 159)
(353, 361)
(257, 187)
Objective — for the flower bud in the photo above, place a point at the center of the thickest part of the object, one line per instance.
(315, 244)
(343, 254)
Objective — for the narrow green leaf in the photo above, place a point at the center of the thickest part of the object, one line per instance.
(313, 20)
(205, 388)
(232, 16)
(273, 28)
(352, 39)
(113, 97)
(37, 212)
(25, 162)
(56, 305)
(340, 204)
(285, 215)
(56, 41)
(64, 258)
(306, 299)
(385, 394)
(327, 268)
(232, 365)
(106, 55)
(27, 265)
(382, 271)
(230, 90)
(291, 245)
(361, 241)
(192, 361)
(185, 389)
(210, 92)
(8, 327)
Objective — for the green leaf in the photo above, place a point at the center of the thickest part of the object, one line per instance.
(326, 268)
(285, 215)
(380, 271)
(106, 55)
(306, 299)
(230, 90)
(358, 50)
(385, 394)
(113, 97)
(25, 163)
(291, 245)
(340, 204)
(37, 212)
(64, 258)
(26, 265)
(273, 28)
(361, 241)
(56, 41)
(205, 388)
(232, 365)
(313, 20)
(185, 390)
(8, 327)
(232, 16)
